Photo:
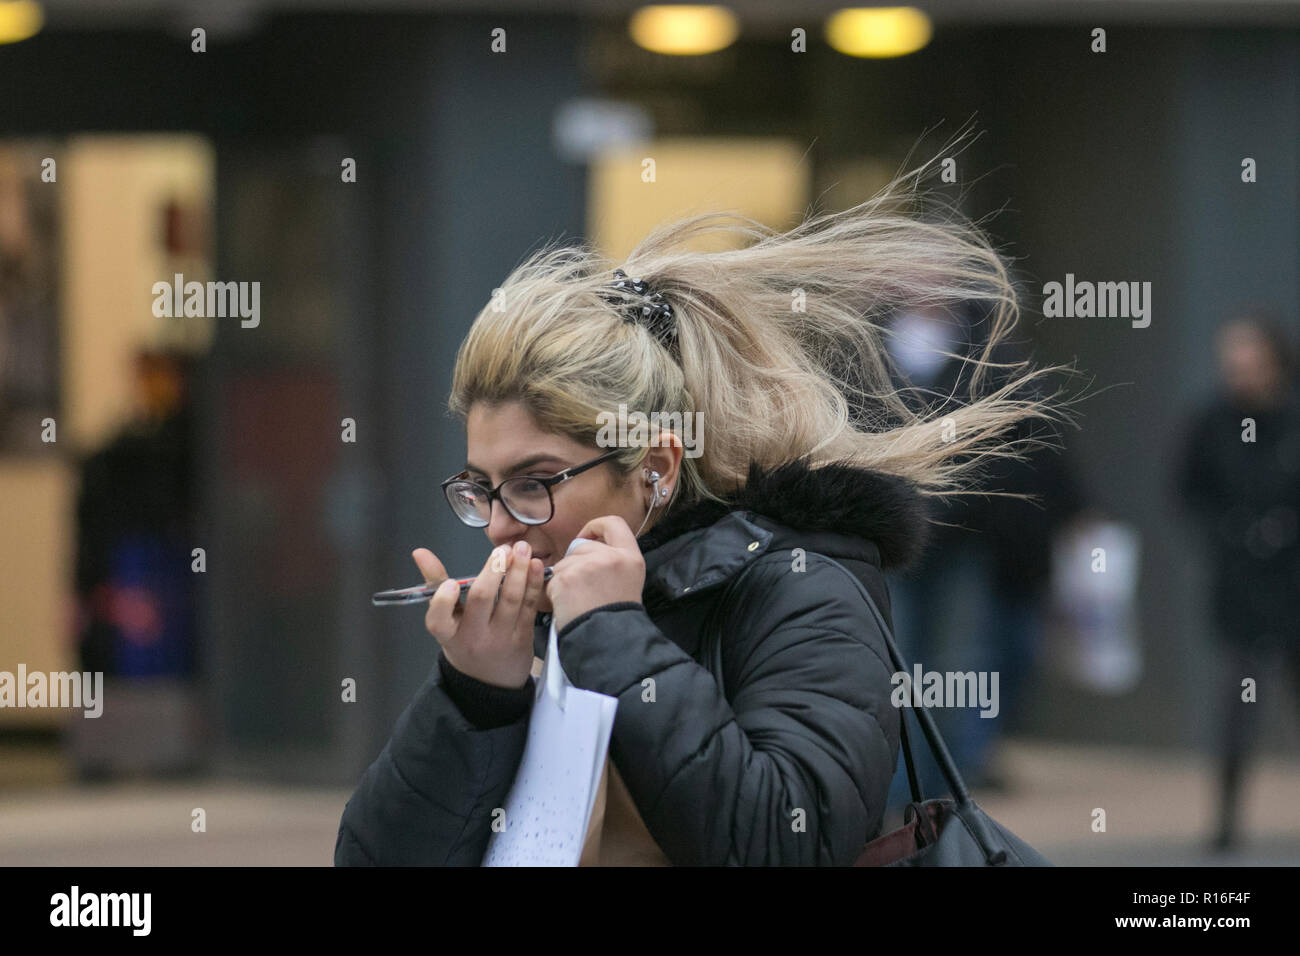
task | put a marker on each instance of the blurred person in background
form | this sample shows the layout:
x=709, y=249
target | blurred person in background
x=134, y=582
x=976, y=601
x=1239, y=478
x=1021, y=534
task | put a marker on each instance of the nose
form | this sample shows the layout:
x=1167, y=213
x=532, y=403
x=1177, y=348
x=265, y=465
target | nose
x=504, y=528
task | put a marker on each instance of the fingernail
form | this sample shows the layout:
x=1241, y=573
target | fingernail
x=521, y=548
x=499, y=558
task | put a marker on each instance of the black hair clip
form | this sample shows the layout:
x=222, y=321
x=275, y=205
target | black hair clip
x=655, y=312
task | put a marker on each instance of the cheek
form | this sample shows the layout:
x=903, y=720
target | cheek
x=580, y=509
x=564, y=527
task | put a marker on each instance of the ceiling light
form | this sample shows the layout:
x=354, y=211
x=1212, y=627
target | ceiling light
x=878, y=31
x=19, y=19
x=684, y=30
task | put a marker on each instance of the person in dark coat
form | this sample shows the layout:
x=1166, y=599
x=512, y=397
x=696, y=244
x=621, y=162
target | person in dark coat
x=727, y=543
x=1239, y=479
x=135, y=519
x=975, y=600
x=709, y=764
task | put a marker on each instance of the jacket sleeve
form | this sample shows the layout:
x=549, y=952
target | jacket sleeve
x=790, y=762
x=427, y=800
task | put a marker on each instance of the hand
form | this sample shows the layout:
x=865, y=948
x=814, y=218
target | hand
x=610, y=568
x=489, y=642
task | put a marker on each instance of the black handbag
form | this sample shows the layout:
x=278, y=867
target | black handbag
x=939, y=832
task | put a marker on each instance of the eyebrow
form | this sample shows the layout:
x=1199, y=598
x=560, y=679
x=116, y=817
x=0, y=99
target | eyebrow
x=521, y=465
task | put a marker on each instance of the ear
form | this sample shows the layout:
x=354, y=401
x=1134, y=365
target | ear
x=666, y=458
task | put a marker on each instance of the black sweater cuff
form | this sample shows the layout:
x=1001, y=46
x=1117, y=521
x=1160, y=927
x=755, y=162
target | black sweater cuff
x=486, y=706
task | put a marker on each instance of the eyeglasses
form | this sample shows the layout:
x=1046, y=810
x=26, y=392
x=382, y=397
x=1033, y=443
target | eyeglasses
x=527, y=499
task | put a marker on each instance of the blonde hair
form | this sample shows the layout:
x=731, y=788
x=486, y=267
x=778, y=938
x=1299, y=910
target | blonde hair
x=774, y=382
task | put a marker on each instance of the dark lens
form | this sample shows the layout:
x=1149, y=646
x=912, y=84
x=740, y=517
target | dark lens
x=527, y=499
x=470, y=502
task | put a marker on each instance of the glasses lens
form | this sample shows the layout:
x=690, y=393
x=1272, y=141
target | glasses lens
x=527, y=499
x=470, y=502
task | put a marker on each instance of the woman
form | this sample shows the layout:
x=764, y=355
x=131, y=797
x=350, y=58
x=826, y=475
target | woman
x=754, y=723
x=1241, y=483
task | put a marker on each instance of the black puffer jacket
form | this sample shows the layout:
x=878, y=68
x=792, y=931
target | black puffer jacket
x=792, y=712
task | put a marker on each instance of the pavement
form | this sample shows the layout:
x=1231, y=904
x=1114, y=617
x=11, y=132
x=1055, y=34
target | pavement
x=1158, y=809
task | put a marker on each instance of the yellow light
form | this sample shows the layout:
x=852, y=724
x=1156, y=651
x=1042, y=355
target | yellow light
x=683, y=30
x=19, y=20
x=878, y=31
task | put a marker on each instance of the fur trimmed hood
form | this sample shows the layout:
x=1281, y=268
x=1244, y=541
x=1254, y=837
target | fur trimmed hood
x=840, y=497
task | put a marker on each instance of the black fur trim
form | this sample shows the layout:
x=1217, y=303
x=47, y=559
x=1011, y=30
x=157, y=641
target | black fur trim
x=841, y=497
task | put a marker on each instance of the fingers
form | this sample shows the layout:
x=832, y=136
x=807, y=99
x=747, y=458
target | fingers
x=527, y=616
x=508, y=588
x=609, y=529
x=512, y=588
x=533, y=592
x=440, y=618
x=483, y=592
x=429, y=565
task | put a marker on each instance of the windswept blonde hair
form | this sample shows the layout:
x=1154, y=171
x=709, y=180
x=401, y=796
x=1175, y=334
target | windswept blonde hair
x=781, y=344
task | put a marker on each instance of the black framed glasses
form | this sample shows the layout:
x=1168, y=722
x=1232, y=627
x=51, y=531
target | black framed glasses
x=528, y=499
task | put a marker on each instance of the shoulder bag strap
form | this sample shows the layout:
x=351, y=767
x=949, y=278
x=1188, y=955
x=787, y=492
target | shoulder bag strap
x=938, y=748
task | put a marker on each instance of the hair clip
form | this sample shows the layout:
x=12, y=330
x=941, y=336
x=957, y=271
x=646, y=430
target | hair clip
x=655, y=312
